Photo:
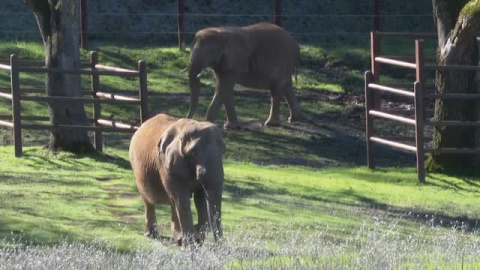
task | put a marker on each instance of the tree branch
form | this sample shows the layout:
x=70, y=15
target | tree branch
x=41, y=10
x=459, y=39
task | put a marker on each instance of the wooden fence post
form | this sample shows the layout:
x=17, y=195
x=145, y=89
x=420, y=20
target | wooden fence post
x=376, y=15
x=181, y=26
x=368, y=119
x=84, y=24
x=16, y=115
x=97, y=109
x=277, y=5
x=142, y=69
x=419, y=110
x=375, y=50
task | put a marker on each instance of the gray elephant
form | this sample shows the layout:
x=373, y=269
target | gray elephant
x=171, y=160
x=262, y=56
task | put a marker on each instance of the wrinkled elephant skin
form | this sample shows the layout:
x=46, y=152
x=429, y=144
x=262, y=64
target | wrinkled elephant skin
x=173, y=159
x=262, y=56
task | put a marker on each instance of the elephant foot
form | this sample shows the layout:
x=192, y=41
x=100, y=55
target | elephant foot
x=151, y=232
x=272, y=123
x=199, y=234
x=196, y=238
x=187, y=241
x=296, y=118
x=231, y=126
x=300, y=118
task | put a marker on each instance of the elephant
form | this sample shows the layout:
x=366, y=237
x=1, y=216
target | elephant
x=261, y=56
x=173, y=159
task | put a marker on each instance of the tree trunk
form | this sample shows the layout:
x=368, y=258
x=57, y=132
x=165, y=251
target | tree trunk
x=59, y=24
x=456, y=23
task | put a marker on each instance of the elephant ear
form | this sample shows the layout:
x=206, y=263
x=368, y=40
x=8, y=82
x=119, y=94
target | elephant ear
x=169, y=149
x=236, y=51
x=219, y=139
x=167, y=138
x=188, y=145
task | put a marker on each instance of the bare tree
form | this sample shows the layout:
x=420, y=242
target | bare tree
x=59, y=25
x=457, y=22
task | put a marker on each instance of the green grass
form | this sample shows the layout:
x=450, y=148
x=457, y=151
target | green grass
x=307, y=177
x=323, y=79
x=46, y=198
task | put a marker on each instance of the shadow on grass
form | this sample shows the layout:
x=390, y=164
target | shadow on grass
x=424, y=216
x=40, y=159
x=120, y=60
x=29, y=233
x=47, y=179
x=341, y=203
x=313, y=145
x=345, y=69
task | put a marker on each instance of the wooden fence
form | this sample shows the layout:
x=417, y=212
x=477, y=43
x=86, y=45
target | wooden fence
x=17, y=94
x=419, y=94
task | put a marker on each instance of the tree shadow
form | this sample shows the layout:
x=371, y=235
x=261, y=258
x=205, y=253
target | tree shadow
x=39, y=160
x=433, y=218
x=342, y=201
x=119, y=59
x=37, y=178
x=345, y=71
x=315, y=145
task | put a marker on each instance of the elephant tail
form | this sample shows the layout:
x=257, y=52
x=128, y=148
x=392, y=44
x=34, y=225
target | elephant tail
x=296, y=74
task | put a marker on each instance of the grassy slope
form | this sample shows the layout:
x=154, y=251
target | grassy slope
x=327, y=89
x=47, y=197
x=317, y=181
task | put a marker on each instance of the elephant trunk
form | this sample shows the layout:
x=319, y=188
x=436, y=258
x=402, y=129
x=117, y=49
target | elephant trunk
x=213, y=192
x=194, y=71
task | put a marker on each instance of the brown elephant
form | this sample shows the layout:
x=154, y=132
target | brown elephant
x=171, y=160
x=260, y=56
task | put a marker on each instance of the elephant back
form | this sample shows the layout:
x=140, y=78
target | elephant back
x=143, y=146
x=275, y=51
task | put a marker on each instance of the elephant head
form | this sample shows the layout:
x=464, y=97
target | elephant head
x=192, y=151
x=222, y=49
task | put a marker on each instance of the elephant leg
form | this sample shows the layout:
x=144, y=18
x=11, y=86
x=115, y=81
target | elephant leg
x=150, y=220
x=212, y=111
x=293, y=105
x=175, y=226
x=223, y=94
x=184, y=213
x=228, y=98
x=203, y=222
x=276, y=99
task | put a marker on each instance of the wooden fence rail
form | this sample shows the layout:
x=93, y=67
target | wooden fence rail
x=372, y=105
x=95, y=70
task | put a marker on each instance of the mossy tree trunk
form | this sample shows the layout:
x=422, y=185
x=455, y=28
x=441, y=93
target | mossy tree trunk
x=59, y=25
x=457, y=22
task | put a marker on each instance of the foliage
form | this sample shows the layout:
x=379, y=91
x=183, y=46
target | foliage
x=472, y=8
